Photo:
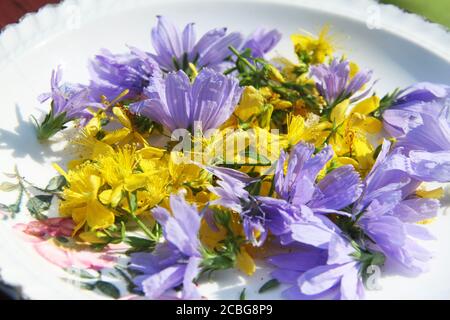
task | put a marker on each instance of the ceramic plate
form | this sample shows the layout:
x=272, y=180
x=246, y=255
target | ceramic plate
x=401, y=49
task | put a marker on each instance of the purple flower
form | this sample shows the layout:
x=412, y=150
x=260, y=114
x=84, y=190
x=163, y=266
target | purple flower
x=261, y=42
x=388, y=210
x=175, y=49
x=175, y=262
x=254, y=210
x=299, y=215
x=114, y=73
x=176, y=103
x=232, y=195
x=412, y=104
x=432, y=134
x=334, y=82
x=337, y=190
x=332, y=273
x=427, y=146
x=71, y=99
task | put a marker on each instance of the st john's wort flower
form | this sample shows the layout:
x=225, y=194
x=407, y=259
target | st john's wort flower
x=177, y=104
x=175, y=49
x=175, y=262
x=388, y=211
x=335, y=83
x=333, y=272
x=112, y=74
x=68, y=102
x=407, y=110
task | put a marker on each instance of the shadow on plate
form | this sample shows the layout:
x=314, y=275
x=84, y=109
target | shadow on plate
x=23, y=142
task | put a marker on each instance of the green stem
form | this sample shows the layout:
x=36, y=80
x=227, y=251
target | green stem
x=240, y=57
x=142, y=226
x=138, y=221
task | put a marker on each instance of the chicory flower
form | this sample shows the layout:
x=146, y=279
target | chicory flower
x=233, y=195
x=175, y=262
x=410, y=106
x=427, y=147
x=69, y=102
x=388, y=210
x=261, y=41
x=175, y=49
x=177, y=104
x=338, y=189
x=112, y=74
x=334, y=272
x=335, y=83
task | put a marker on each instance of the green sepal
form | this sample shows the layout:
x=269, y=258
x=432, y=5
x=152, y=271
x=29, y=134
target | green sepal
x=51, y=125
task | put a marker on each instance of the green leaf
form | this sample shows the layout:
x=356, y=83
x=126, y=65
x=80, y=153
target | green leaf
x=87, y=286
x=39, y=204
x=56, y=184
x=108, y=288
x=84, y=274
x=242, y=295
x=51, y=125
x=14, y=208
x=130, y=284
x=62, y=239
x=8, y=186
x=269, y=285
x=139, y=243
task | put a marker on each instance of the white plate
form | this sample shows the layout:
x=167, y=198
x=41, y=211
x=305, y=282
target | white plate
x=399, y=47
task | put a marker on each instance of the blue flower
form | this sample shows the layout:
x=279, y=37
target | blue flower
x=333, y=272
x=411, y=104
x=175, y=49
x=112, y=74
x=175, y=262
x=177, y=104
x=69, y=99
x=261, y=41
x=388, y=210
x=335, y=84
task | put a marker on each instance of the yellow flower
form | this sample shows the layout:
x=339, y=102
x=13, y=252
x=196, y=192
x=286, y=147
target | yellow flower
x=124, y=170
x=251, y=104
x=227, y=146
x=186, y=174
x=81, y=198
x=313, y=50
x=274, y=99
x=256, y=107
x=126, y=135
x=351, y=129
x=309, y=130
